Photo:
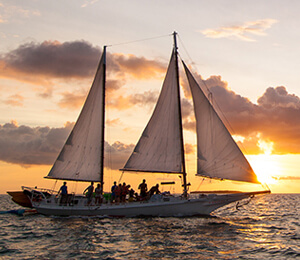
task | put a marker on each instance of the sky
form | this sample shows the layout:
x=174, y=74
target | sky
x=246, y=52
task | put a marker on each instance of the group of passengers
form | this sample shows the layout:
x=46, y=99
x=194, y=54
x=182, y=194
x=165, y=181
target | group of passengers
x=89, y=192
x=118, y=193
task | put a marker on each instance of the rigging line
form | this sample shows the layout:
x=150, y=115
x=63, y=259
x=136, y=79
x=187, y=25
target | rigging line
x=203, y=179
x=181, y=42
x=54, y=185
x=108, y=149
x=192, y=62
x=265, y=186
x=209, y=93
x=140, y=40
x=121, y=177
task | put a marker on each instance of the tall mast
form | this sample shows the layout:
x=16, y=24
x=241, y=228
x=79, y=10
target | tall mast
x=180, y=118
x=103, y=120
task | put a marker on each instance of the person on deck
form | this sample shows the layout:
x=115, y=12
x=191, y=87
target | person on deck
x=118, y=193
x=153, y=190
x=98, y=195
x=125, y=191
x=113, y=194
x=89, y=193
x=131, y=195
x=64, y=194
x=143, y=189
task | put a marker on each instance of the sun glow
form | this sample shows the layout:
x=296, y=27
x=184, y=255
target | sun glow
x=265, y=166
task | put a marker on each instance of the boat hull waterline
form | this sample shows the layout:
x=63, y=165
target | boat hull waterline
x=173, y=208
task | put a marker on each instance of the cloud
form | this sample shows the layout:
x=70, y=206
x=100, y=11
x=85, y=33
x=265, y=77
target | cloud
x=14, y=12
x=119, y=154
x=279, y=97
x=15, y=100
x=287, y=178
x=88, y=2
x=77, y=59
x=113, y=122
x=189, y=148
x=274, y=119
x=273, y=122
x=71, y=100
x=51, y=58
x=50, y=62
x=146, y=98
x=244, y=32
x=138, y=67
x=29, y=146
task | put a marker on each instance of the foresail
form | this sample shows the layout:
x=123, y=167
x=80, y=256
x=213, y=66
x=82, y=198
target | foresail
x=218, y=156
x=79, y=159
x=159, y=147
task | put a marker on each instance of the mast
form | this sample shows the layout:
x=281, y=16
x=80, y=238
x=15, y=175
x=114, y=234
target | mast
x=180, y=118
x=103, y=121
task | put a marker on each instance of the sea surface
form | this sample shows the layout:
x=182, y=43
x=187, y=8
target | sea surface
x=266, y=228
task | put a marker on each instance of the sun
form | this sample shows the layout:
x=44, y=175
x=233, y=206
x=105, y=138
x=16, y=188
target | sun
x=265, y=166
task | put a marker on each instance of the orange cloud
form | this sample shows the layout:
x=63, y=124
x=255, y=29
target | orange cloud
x=138, y=67
x=189, y=148
x=15, y=100
x=77, y=59
x=275, y=119
x=71, y=100
x=244, y=32
x=113, y=122
x=44, y=63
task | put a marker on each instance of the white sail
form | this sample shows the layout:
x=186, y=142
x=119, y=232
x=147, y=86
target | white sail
x=218, y=156
x=159, y=147
x=80, y=157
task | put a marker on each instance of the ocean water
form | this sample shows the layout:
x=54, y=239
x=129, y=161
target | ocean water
x=267, y=228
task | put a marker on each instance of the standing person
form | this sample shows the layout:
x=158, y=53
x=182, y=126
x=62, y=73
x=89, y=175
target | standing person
x=143, y=188
x=113, y=193
x=125, y=190
x=98, y=195
x=64, y=194
x=89, y=193
x=118, y=193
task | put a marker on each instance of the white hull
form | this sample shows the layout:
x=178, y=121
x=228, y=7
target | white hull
x=160, y=207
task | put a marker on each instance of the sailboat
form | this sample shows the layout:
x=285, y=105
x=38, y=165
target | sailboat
x=160, y=149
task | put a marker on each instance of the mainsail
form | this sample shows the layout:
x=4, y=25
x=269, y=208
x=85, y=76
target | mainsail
x=218, y=156
x=81, y=156
x=159, y=147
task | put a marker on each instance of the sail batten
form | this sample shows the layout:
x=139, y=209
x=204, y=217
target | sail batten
x=80, y=157
x=218, y=155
